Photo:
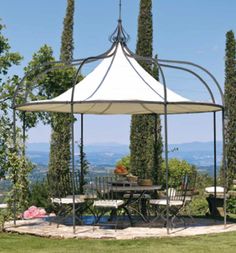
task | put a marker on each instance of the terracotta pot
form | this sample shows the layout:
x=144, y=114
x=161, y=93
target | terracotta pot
x=145, y=182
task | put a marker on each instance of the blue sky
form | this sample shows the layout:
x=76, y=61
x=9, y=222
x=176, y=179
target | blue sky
x=183, y=29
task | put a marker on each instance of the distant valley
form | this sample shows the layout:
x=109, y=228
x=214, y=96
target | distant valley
x=106, y=155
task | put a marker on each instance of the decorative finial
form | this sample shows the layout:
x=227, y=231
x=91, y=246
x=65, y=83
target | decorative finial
x=120, y=6
x=119, y=35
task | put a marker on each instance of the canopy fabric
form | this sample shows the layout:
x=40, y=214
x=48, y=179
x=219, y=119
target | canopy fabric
x=119, y=85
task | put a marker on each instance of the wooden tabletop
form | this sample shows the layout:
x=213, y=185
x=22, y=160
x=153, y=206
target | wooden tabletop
x=136, y=188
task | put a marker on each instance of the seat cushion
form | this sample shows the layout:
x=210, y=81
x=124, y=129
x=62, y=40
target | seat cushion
x=219, y=189
x=83, y=196
x=136, y=196
x=108, y=203
x=66, y=200
x=3, y=206
x=163, y=202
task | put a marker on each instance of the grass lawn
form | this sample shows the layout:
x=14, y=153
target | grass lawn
x=221, y=243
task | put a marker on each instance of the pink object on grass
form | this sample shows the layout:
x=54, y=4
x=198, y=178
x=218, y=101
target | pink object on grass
x=34, y=212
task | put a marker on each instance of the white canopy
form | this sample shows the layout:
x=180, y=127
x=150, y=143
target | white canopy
x=119, y=85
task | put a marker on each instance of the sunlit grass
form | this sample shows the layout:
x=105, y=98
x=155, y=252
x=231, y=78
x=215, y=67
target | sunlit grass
x=224, y=242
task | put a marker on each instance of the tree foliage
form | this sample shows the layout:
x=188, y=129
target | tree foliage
x=60, y=154
x=124, y=161
x=13, y=163
x=145, y=136
x=230, y=104
x=177, y=170
x=46, y=82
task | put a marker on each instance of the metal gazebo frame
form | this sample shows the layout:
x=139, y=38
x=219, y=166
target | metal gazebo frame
x=120, y=37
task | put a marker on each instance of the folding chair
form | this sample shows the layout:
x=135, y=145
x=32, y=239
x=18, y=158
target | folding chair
x=176, y=195
x=190, y=193
x=107, y=201
x=61, y=196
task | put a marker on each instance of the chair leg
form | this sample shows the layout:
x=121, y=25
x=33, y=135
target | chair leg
x=175, y=214
x=97, y=219
x=159, y=215
x=116, y=217
x=129, y=216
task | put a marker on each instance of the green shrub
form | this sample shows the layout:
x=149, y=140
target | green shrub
x=198, y=206
x=231, y=205
x=177, y=169
x=39, y=196
x=4, y=216
x=203, y=181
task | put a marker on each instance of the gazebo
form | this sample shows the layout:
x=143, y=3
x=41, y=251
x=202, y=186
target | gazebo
x=120, y=85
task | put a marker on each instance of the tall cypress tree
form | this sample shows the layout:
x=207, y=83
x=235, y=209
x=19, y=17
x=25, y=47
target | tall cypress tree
x=60, y=155
x=230, y=104
x=145, y=138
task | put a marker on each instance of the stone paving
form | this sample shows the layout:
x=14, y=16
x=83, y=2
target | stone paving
x=41, y=227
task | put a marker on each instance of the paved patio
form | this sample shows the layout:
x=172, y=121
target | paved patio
x=41, y=227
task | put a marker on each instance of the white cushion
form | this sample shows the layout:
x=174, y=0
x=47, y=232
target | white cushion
x=163, y=202
x=2, y=206
x=136, y=196
x=83, y=196
x=66, y=200
x=219, y=189
x=108, y=203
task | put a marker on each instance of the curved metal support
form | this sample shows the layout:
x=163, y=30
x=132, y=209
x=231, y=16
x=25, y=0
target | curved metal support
x=52, y=69
x=86, y=60
x=196, y=75
x=107, y=71
x=37, y=78
x=27, y=75
x=142, y=77
x=203, y=69
x=154, y=61
x=73, y=63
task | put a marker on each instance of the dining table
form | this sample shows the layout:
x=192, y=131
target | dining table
x=135, y=196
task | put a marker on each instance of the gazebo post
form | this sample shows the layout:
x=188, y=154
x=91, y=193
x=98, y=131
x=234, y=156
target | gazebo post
x=14, y=181
x=167, y=166
x=155, y=149
x=215, y=173
x=73, y=161
x=166, y=143
x=81, y=153
x=24, y=133
x=224, y=164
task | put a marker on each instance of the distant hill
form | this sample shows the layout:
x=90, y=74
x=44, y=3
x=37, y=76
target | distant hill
x=107, y=154
x=96, y=147
x=112, y=146
x=197, y=146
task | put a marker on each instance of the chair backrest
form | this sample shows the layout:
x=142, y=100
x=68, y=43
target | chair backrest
x=61, y=185
x=178, y=188
x=105, y=187
x=192, y=178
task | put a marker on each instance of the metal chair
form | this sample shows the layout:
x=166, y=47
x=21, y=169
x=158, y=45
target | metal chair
x=190, y=193
x=215, y=203
x=107, y=201
x=61, y=189
x=176, y=196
